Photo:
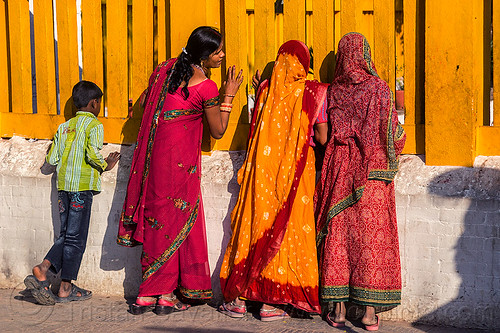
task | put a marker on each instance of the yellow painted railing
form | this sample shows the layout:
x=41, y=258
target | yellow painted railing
x=441, y=48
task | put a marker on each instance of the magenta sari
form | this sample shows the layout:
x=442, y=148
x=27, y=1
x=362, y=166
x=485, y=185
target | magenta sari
x=163, y=208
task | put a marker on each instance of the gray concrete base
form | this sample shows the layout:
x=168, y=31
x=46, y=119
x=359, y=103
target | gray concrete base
x=448, y=218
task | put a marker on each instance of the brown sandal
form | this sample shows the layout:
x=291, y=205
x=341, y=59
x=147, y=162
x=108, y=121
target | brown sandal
x=273, y=314
x=233, y=310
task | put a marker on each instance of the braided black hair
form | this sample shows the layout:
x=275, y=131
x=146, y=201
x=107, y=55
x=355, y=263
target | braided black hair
x=202, y=42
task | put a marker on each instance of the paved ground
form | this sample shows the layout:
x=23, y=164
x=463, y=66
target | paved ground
x=109, y=314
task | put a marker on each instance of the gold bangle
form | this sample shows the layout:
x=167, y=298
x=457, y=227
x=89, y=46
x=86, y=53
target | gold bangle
x=225, y=111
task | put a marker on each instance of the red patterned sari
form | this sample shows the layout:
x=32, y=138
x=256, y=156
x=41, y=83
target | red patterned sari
x=271, y=256
x=355, y=201
x=163, y=209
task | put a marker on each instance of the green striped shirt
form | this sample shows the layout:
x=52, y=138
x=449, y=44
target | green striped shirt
x=75, y=151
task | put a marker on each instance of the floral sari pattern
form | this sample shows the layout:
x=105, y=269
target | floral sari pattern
x=355, y=208
x=163, y=209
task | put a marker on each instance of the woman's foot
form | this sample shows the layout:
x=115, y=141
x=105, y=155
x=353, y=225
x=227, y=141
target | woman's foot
x=271, y=313
x=169, y=303
x=234, y=309
x=336, y=318
x=370, y=319
x=337, y=323
x=142, y=305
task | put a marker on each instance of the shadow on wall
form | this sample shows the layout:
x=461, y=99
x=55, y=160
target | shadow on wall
x=477, y=251
x=234, y=188
x=113, y=256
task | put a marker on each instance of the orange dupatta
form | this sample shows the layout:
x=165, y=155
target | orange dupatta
x=271, y=256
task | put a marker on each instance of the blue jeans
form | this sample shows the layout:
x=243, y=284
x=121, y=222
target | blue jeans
x=67, y=252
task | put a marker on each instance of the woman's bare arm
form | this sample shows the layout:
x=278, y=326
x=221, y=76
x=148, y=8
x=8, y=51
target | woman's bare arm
x=218, y=119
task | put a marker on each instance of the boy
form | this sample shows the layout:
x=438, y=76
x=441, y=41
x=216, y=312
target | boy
x=75, y=151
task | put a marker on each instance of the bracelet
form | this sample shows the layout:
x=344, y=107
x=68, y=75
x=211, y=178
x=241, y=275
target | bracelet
x=226, y=107
x=229, y=95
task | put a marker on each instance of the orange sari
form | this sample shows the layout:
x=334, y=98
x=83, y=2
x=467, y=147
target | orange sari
x=271, y=256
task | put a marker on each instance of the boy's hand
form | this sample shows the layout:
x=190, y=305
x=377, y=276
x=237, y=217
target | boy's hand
x=112, y=159
x=47, y=169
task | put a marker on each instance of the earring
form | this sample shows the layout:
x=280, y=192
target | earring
x=204, y=68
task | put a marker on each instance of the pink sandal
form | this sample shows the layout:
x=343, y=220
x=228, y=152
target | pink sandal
x=333, y=323
x=233, y=310
x=373, y=327
x=141, y=306
x=272, y=314
x=167, y=305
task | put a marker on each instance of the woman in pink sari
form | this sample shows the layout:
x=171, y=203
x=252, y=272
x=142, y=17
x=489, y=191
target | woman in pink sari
x=354, y=201
x=163, y=209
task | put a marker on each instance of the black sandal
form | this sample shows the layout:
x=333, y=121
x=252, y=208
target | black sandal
x=40, y=290
x=140, y=306
x=167, y=305
x=73, y=296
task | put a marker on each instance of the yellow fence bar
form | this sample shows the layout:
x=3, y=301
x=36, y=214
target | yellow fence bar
x=414, y=24
x=163, y=21
x=384, y=50
x=116, y=58
x=45, y=58
x=323, y=39
x=265, y=36
x=142, y=46
x=20, y=56
x=4, y=68
x=92, y=48
x=451, y=94
x=294, y=20
x=67, y=47
x=350, y=17
x=236, y=54
x=496, y=62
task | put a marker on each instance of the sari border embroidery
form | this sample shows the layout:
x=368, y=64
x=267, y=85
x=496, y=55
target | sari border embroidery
x=368, y=58
x=214, y=101
x=172, y=114
x=126, y=240
x=366, y=296
x=335, y=293
x=196, y=293
x=153, y=223
x=362, y=296
x=126, y=219
x=336, y=209
x=165, y=256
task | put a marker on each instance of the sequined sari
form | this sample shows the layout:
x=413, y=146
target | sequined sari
x=271, y=256
x=163, y=209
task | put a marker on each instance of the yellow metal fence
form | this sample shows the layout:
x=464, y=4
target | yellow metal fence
x=445, y=51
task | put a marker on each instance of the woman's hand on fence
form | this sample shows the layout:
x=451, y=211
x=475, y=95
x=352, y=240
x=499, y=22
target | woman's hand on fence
x=256, y=80
x=233, y=81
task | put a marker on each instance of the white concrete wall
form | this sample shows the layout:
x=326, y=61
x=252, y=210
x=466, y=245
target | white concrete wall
x=448, y=224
